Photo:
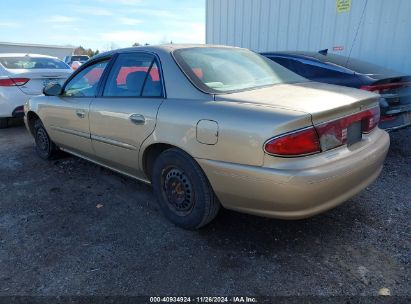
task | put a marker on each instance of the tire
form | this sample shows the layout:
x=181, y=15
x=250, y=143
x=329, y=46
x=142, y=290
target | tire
x=45, y=147
x=183, y=192
x=4, y=123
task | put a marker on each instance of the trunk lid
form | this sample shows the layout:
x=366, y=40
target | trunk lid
x=39, y=78
x=324, y=102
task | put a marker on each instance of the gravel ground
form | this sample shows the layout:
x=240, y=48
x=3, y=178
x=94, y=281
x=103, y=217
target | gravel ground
x=69, y=227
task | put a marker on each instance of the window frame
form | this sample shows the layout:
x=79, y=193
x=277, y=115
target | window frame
x=83, y=67
x=104, y=78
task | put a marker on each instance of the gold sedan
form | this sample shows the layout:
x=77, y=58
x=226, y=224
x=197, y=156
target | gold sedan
x=212, y=126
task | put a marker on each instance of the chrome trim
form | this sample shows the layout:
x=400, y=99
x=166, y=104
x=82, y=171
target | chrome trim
x=113, y=142
x=70, y=131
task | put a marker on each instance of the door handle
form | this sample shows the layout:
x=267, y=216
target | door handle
x=80, y=113
x=138, y=119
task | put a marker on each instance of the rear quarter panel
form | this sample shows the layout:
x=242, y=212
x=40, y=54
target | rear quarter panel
x=242, y=128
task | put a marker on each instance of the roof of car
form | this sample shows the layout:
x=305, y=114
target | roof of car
x=356, y=65
x=23, y=55
x=161, y=47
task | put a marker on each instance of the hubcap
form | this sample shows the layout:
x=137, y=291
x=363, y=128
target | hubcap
x=178, y=191
x=42, y=140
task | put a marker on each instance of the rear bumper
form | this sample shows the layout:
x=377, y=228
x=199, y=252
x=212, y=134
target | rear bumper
x=396, y=122
x=301, y=188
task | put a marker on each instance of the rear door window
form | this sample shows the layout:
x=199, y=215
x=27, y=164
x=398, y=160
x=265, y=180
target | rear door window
x=134, y=75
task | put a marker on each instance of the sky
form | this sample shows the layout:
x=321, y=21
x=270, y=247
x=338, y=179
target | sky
x=102, y=24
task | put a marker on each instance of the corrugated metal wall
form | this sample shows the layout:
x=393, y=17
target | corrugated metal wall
x=58, y=52
x=378, y=31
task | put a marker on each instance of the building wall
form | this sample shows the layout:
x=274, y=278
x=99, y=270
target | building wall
x=377, y=31
x=55, y=51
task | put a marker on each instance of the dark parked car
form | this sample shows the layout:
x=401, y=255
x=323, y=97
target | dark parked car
x=394, y=87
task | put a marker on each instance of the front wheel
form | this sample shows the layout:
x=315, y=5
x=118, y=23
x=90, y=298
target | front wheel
x=45, y=147
x=183, y=191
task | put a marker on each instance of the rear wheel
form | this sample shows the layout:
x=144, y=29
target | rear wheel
x=45, y=147
x=4, y=122
x=183, y=191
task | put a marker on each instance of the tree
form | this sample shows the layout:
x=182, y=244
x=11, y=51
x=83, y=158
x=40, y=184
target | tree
x=136, y=44
x=82, y=51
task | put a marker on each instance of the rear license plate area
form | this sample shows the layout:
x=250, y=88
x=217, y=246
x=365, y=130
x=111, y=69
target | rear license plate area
x=354, y=133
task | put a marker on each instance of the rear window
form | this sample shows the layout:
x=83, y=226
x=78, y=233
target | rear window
x=224, y=70
x=355, y=65
x=31, y=63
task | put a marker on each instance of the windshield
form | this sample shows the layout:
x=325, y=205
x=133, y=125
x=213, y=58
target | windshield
x=223, y=70
x=79, y=58
x=29, y=63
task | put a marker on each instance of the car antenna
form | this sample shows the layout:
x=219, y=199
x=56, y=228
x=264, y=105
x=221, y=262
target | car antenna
x=323, y=52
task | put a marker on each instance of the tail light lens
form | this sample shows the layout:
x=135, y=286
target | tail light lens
x=334, y=133
x=323, y=137
x=12, y=82
x=388, y=117
x=370, y=119
x=380, y=88
x=298, y=143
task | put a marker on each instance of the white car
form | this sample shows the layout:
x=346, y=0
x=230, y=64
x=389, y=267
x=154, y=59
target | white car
x=25, y=75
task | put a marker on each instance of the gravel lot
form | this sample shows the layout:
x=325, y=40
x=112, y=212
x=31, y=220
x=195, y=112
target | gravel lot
x=69, y=227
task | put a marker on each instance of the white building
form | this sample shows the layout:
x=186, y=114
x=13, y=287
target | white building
x=51, y=50
x=378, y=31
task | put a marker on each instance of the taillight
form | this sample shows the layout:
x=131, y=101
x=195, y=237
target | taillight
x=380, y=88
x=11, y=82
x=334, y=133
x=323, y=137
x=370, y=119
x=297, y=143
x=388, y=117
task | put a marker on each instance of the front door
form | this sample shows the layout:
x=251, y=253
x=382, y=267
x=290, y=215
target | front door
x=125, y=113
x=68, y=120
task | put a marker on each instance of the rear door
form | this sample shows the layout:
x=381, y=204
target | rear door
x=124, y=114
x=68, y=115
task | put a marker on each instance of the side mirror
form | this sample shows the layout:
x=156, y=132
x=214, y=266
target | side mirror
x=52, y=89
